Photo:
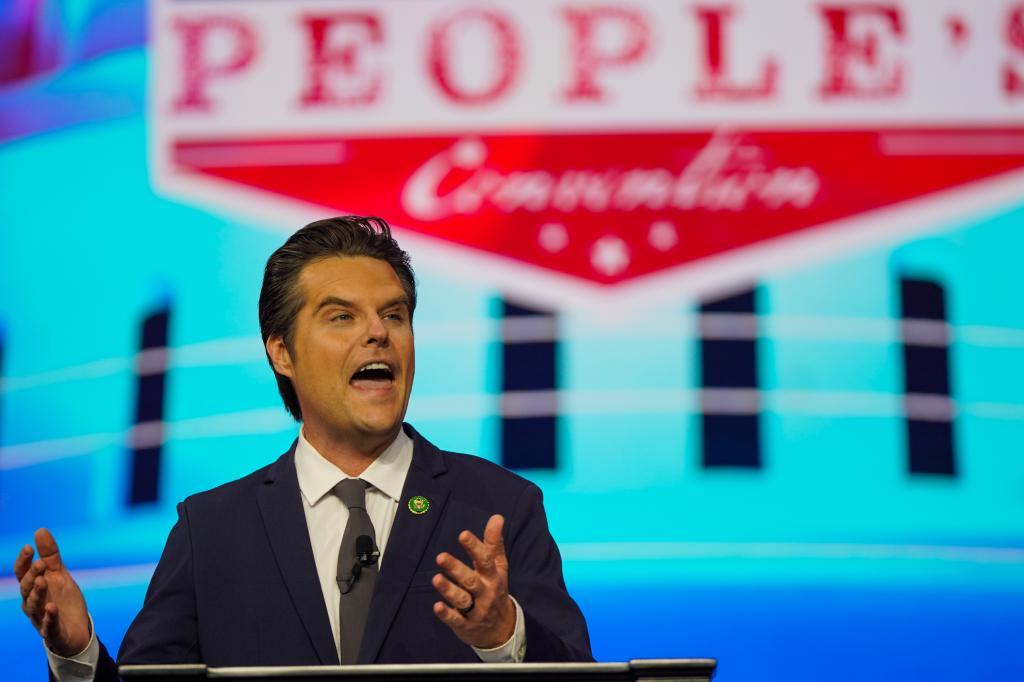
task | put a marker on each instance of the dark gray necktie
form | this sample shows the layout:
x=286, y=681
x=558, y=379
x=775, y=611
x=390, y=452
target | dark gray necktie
x=357, y=568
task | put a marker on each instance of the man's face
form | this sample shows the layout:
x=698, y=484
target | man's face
x=351, y=359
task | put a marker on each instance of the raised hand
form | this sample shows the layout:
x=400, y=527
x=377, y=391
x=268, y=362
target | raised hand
x=51, y=599
x=478, y=609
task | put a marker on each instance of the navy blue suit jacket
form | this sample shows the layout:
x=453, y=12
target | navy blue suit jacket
x=237, y=585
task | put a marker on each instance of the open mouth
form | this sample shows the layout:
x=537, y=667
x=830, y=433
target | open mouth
x=373, y=375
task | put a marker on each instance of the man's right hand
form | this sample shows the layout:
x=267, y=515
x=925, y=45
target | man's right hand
x=51, y=599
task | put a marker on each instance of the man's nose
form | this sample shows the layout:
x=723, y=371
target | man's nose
x=376, y=332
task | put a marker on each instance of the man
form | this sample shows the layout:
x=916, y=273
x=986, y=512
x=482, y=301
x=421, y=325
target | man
x=353, y=546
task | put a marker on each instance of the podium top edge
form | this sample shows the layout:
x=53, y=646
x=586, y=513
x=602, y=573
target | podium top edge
x=390, y=669
x=662, y=662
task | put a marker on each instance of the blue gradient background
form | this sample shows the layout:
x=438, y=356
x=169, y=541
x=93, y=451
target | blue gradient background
x=831, y=562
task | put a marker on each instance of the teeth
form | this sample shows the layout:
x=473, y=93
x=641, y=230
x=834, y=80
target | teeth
x=375, y=365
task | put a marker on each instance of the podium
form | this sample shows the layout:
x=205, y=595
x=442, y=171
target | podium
x=642, y=670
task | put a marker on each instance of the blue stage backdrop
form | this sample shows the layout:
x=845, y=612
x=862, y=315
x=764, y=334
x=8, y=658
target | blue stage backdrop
x=737, y=284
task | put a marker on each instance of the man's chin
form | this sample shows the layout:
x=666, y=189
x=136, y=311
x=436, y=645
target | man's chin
x=379, y=428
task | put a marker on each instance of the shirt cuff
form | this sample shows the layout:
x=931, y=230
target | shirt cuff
x=78, y=668
x=512, y=651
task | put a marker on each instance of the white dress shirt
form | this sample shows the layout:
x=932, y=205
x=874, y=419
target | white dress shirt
x=326, y=517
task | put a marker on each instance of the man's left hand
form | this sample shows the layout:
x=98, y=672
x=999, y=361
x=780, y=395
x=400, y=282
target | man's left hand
x=478, y=609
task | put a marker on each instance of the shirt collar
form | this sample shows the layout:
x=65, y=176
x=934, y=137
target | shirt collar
x=387, y=473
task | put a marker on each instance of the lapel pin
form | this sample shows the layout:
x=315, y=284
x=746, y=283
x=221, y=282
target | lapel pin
x=418, y=504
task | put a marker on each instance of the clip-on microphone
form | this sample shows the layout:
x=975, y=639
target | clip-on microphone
x=366, y=552
x=366, y=555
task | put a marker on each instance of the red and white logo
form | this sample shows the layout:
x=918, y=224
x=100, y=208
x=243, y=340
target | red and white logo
x=572, y=151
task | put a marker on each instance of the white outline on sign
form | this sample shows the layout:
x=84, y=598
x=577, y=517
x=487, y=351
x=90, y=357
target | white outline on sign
x=709, y=277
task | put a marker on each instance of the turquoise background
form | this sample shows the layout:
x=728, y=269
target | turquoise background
x=830, y=562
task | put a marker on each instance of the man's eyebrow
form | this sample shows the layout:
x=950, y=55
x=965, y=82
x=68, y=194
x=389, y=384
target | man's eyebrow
x=344, y=303
x=334, y=300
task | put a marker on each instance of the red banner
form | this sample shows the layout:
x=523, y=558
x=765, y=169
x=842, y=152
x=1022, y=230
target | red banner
x=593, y=144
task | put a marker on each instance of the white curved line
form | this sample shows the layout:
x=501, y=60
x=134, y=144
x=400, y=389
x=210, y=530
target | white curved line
x=246, y=349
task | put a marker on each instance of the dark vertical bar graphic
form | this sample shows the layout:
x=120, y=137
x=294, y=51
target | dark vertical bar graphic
x=728, y=359
x=528, y=423
x=929, y=413
x=147, y=435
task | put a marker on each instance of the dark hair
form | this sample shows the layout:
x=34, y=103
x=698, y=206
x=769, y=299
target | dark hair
x=280, y=299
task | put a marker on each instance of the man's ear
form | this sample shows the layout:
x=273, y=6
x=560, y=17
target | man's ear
x=278, y=353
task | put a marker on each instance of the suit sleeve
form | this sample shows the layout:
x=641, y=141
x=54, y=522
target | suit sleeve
x=555, y=627
x=165, y=630
x=106, y=669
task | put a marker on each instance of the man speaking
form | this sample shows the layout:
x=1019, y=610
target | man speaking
x=358, y=545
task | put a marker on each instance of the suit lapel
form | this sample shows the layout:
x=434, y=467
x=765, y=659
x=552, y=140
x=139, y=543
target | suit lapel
x=409, y=538
x=285, y=522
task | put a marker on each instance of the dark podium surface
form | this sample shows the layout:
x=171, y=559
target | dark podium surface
x=646, y=670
